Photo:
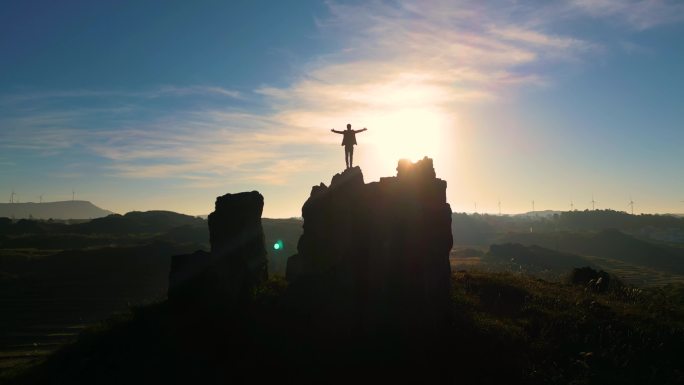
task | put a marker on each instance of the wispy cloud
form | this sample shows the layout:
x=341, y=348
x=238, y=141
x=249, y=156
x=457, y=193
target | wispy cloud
x=441, y=52
x=27, y=95
x=403, y=62
x=639, y=14
x=425, y=57
x=195, y=146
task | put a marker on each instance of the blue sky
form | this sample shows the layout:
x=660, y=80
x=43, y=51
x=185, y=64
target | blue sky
x=166, y=105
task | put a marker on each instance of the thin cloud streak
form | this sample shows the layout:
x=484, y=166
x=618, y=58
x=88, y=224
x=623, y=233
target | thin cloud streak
x=638, y=14
x=153, y=93
x=422, y=56
x=415, y=59
x=428, y=57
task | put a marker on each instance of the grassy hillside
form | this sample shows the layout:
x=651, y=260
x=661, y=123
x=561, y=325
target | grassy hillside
x=47, y=298
x=645, y=250
x=57, y=278
x=534, y=260
x=74, y=274
x=611, y=244
x=484, y=229
x=506, y=329
x=138, y=229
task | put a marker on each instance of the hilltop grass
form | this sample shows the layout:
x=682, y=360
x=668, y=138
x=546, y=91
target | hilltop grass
x=573, y=335
x=506, y=328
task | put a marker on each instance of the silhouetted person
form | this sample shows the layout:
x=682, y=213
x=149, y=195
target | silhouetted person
x=348, y=142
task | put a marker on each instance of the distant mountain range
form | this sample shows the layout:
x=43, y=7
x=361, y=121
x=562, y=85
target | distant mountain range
x=55, y=210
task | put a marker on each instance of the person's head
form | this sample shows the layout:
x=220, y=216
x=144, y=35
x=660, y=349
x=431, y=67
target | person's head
x=348, y=126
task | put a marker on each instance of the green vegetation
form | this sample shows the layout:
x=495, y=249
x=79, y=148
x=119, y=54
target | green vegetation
x=571, y=335
x=484, y=229
x=643, y=250
x=57, y=278
x=506, y=328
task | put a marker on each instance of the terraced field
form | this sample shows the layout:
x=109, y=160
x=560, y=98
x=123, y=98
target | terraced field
x=632, y=274
x=464, y=263
x=636, y=275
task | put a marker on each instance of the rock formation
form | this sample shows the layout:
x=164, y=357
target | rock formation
x=598, y=281
x=237, y=264
x=379, y=252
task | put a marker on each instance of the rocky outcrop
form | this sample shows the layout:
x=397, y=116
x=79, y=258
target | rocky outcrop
x=237, y=263
x=379, y=251
x=598, y=281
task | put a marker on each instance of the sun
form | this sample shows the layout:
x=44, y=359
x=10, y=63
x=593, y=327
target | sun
x=407, y=134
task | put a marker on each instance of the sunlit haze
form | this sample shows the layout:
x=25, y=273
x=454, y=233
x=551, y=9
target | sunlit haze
x=166, y=106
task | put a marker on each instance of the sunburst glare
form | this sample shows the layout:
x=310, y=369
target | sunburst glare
x=406, y=134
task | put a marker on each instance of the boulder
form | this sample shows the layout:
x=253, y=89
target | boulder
x=592, y=280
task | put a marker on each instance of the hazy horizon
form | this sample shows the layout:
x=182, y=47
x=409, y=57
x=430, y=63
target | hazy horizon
x=141, y=107
x=503, y=213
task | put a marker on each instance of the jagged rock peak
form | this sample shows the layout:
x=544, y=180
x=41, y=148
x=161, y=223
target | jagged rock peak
x=351, y=176
x=381, y=248
x=422, y=169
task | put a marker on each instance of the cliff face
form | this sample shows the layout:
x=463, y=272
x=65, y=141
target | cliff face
x=237, y=263
x=381, y=248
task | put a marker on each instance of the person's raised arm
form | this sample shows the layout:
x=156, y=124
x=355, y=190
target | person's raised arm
x=361, y=130
x=337, y=132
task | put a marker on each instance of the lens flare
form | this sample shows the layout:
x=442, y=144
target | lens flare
x=278, y=245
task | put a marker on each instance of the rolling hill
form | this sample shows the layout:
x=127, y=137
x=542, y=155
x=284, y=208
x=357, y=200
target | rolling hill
x=54, y=210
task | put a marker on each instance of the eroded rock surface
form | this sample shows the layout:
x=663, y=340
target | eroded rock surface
x=377, y=254
x=237, y=263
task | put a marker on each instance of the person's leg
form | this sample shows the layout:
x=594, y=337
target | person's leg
x=351, y=156
x=346, y=156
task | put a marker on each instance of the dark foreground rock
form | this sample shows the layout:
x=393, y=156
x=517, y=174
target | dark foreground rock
x=379, y=250
x=237, y=263
x=591, y=279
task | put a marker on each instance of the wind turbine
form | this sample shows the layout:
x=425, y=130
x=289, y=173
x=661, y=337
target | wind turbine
x=12, y=197
x=73, y=195
x=593, y=203
x=475, y=212
x=532, y=205
x=631, y=204
x=499, y=206
x=40, y=198
x=572, y=205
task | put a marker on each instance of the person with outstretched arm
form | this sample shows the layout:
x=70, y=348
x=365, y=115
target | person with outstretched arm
x=348, y=141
